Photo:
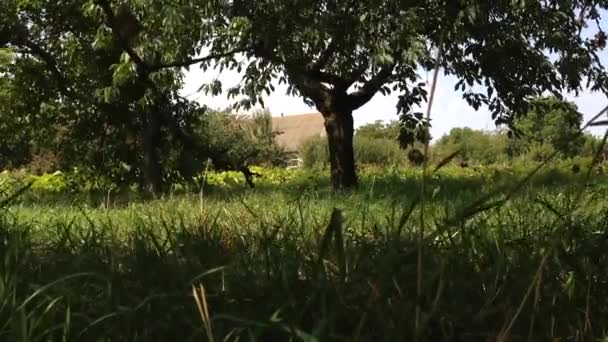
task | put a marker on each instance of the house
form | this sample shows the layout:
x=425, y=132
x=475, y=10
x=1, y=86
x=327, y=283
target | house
x=294, y=130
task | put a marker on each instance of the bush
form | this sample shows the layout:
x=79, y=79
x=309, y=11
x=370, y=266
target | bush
x=315, y=153
x=233, y=141
x=551, y=122
x=478, y=147
x=378, y=151
x=368, y=151
x=538, y=152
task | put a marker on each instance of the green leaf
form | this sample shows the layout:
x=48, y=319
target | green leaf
x=7, y=56
x=123, y=73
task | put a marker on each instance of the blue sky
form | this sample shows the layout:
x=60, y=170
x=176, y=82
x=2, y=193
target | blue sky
x=449, y=109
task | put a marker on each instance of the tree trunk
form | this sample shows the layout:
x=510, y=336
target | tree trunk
x=152, y=172
x=340, y=129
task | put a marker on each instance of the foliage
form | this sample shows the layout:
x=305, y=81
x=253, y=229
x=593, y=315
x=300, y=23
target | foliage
x=382, y=152
x=592, y=145
x=315, y=153
x=368, y=151
x=235, y=141
x=95, y=83
x=379, y=130
x=550, y=122
x=415, y=157
x=472, y=145
x=386, y=44
x=538, y=152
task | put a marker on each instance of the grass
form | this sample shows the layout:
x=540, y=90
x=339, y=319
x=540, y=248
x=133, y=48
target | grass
x=278, y=263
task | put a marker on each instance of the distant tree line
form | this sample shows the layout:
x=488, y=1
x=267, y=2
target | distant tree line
x=550, y=125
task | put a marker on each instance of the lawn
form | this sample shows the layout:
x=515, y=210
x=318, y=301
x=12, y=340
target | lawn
x=290, y=259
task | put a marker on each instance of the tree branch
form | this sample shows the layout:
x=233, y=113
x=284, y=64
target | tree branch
x=51, y=63
x=313, y=69
x=371, y=87
x=325, y=56
x=356, y=74
x=124, y=44
x=147, y=68
x=189, y=62
x=309, y=86
x=326, y=77
x=308, y=81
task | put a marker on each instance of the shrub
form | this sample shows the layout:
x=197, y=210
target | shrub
x=538, y=152
x=368, y=151
x=551, y=122
x=378, y=151
x=315, y=153
x=475, y=146
x=237, y=140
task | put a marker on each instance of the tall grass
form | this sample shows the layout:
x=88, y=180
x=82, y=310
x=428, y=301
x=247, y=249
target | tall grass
x=270, y=265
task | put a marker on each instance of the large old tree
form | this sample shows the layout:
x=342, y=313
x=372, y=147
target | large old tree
x=101, y=78
x=338, y=54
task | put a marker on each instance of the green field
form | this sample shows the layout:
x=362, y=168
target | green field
x=273, y=268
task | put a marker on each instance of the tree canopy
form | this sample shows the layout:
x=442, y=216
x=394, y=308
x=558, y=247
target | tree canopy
x=549, y=122
x=472, y=145
x=379, y=130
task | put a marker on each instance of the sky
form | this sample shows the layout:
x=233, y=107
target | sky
x=449, y=109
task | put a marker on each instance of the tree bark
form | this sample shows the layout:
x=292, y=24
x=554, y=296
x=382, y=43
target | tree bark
x=152, y=172
x=340, y=129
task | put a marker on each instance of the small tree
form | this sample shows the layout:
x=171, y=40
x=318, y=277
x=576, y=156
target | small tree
x=551, y=122
x=236, y=142
x=473, y=145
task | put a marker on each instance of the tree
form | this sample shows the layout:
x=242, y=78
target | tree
x=473, y=145
x=379, y=130
x=551, y=122
x=338, y=54
x=593, y=145
x=13, y=150
x=235, y=142
x=108, y=78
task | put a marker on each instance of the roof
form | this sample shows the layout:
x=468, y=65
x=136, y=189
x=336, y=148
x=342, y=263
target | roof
x=294, y=130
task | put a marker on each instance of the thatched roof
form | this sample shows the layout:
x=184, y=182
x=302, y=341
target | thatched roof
x=294, y=130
